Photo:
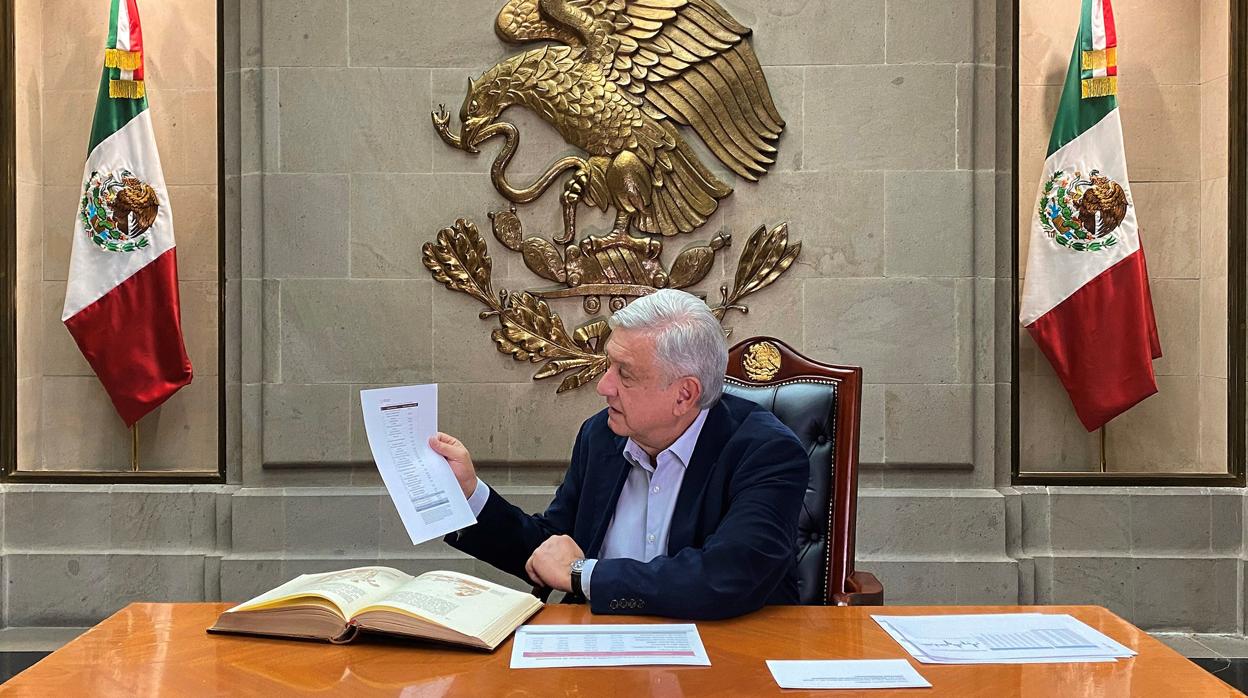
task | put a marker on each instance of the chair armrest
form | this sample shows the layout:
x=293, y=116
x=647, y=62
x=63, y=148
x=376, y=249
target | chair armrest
x=862, y=589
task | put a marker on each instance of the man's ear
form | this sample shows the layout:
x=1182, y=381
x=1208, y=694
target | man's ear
x=688, y=393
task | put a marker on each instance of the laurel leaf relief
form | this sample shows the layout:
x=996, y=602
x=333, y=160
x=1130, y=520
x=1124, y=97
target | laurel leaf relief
x=460, y=261
x=765, y=256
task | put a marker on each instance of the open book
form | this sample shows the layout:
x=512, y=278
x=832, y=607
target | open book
x=335, y=606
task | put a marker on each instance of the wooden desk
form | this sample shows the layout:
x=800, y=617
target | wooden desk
x=162, y=650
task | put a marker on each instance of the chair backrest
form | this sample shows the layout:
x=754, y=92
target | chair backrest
x=821, y=403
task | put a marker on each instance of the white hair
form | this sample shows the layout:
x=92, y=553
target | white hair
x=688, y=340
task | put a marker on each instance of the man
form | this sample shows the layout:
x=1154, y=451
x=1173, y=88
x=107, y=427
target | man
x=679, y=501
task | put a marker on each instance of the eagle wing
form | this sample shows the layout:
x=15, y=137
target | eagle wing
x=1113, y=207
x=684, y=60
x=521, y=22
x=147, y=214
x=1110, y=200
x=143, y=202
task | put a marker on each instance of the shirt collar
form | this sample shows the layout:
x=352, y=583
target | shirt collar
x=682, y=447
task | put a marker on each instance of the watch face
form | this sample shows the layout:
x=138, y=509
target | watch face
x=578, y=565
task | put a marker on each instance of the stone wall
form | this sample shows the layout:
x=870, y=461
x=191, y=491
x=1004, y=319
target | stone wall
x=894, y=173
x=890, y=141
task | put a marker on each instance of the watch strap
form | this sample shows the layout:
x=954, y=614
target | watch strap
x=576, y=578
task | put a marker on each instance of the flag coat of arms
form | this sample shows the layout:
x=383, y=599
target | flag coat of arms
x=1086, y=300
x=121, y=302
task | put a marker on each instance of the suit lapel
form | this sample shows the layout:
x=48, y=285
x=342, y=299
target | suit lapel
x=715, y=433
x=607, y=484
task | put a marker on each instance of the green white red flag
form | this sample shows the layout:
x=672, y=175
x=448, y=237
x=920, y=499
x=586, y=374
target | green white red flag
x=1086, y=300
x=121, y=302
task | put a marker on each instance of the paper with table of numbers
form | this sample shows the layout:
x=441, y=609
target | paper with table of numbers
x=399, y=422
x=845, y=673
x=538, y=646
x=1001, y=638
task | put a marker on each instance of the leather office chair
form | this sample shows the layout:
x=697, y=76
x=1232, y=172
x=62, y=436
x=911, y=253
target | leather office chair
x=821, y=403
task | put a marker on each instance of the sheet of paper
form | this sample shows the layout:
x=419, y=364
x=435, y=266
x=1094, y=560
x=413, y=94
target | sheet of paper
x=914, y=652
x=539, y=646
x=399, y=422
x=1001, y=638
x=846, y=673
x=1006, y=636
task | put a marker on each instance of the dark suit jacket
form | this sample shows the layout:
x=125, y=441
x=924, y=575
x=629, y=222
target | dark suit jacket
x=731, y=548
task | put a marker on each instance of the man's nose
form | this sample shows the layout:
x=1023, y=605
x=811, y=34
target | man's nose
x=606, y=386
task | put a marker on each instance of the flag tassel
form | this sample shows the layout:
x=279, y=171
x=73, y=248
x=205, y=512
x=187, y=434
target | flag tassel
x=1099, y=87
x=126, y=89
x=120, y=58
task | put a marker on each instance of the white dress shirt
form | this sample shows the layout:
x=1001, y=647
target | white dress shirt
x=643, y=515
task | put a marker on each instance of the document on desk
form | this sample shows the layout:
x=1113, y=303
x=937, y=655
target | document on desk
x=1001, y=638
x=538, y=646
x=399, y=422
x=846, y=673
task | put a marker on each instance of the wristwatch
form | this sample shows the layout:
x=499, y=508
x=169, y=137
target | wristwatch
x=578, y=566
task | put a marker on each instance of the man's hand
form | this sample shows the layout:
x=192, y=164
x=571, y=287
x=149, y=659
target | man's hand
x=457, y=455
x=550, y=565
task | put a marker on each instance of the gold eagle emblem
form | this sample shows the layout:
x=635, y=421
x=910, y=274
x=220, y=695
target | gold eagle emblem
x=761, y=361
x=617, y=79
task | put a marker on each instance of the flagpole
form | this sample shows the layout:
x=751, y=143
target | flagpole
x=134, y=448
x=1102, y=433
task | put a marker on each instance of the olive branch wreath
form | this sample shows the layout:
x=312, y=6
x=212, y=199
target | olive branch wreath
x=530, y=331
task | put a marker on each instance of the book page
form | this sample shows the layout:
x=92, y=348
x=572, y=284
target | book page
x=348, y=590
x=464, y=604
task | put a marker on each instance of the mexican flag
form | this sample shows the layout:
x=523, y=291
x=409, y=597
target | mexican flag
x=121, y=304
x=1086, y=300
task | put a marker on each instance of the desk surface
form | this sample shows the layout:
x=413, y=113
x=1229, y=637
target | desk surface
x=162, y=649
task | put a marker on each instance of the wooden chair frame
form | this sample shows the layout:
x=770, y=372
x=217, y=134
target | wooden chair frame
x=844, y=585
